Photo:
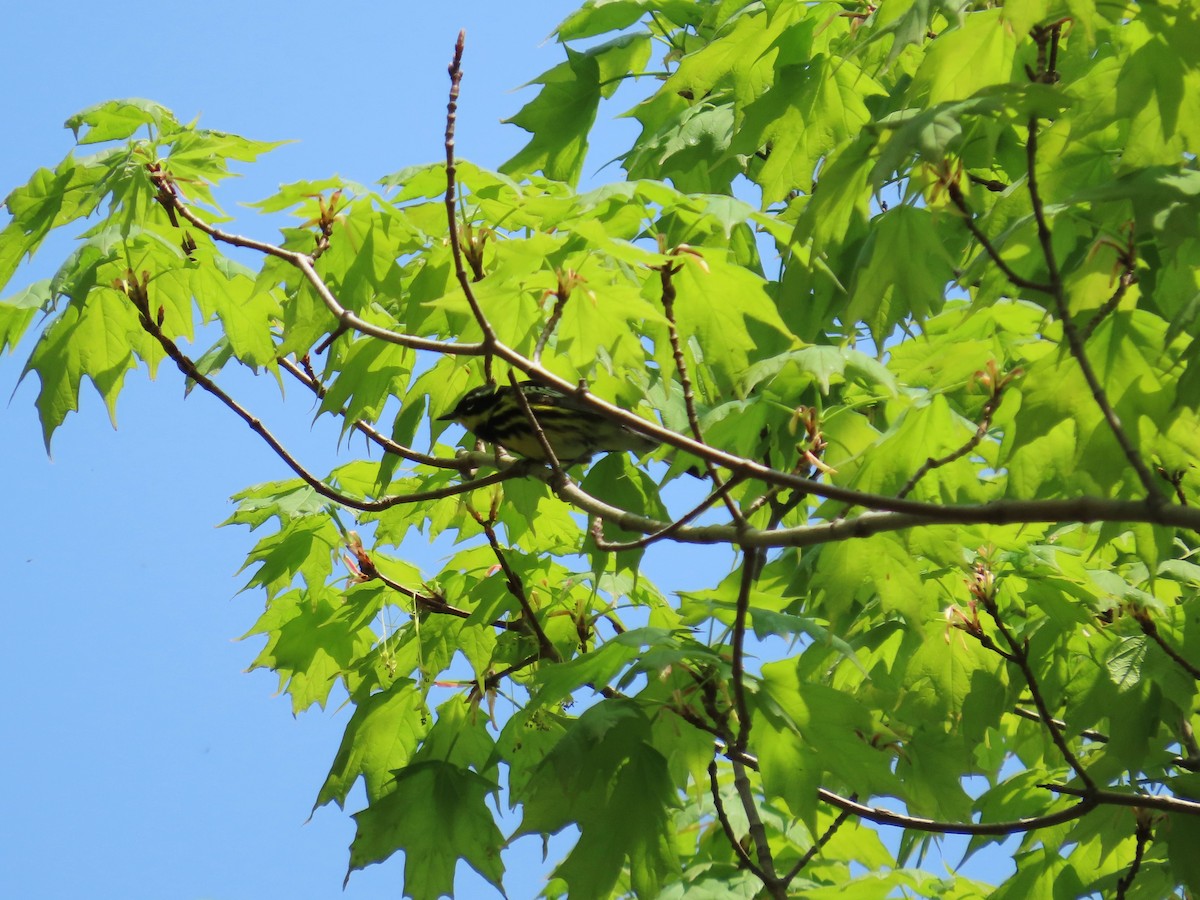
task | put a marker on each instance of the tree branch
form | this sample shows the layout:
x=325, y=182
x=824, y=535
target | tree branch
x=304, y=262
x=666, y=273
x=744, y=859
x=758, y=833
x=489, y=335
x=817, y=846
x=998, y=382
x=984, y=590
x=960, y=201
x=669, y=531
x=546, y=649
x=1000, y=512
x=370, y=432
x=1138, y=801
x=137, y=292
x=750, y=566
x=1142, y=834
x=1150, y=629
x=747, y=468
x=1047, y=73
x=422, y=602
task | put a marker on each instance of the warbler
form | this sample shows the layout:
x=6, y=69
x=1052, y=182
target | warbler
x=574, y=431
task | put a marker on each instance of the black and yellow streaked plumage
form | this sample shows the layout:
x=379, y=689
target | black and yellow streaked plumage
x=574, y=431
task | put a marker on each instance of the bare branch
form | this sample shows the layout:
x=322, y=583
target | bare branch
x=666, y=273
x=758, y=833
x=750, y=569
x=669, y=531
x=1097, y=736
x=998, y=382
x=489, y=334
x=881, y=816
x=303, y=262
x=746, y=468
x=1150, y=629
x=137, y=293
x=817, y=846
x=983, y=589
x=566, y=281
x=546, y=649
x=431, y=603
x=558, y=476
x=723, y=817
x=1002, y=512
x=1124, y=282
x=1143, y=834
x=960, y=201
x=1048, y=37
x=1138, y=801
x=368, y=431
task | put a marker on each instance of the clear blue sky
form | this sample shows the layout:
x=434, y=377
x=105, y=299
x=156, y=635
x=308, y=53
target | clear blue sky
x=140, y=761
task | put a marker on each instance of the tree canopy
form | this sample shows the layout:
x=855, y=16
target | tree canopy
x=914, y=287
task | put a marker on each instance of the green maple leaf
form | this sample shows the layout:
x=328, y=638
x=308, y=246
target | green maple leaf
x=91, y=338
x=811, y=110
x=437, y=814
x=600, y=16
x=17, y=312
x=381, y=737
x=562, y=114
x=980, y=53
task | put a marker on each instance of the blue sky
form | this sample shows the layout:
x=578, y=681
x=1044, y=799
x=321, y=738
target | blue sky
x=141, y=761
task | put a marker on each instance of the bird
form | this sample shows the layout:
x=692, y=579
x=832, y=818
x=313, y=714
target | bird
x=574, y=431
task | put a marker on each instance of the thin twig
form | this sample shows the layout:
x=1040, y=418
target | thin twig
x=1097, y=736
x=492, y=681
x=304, y=262
x=666, y=274
x=429, y=602
x=368, y=431
x=515, y=587
x=758, y=832
x=984, y=591
x=744, y=859
x=992, y=184
x=139, y=298
x=818, y=845
x=330, y=338
x=1047, y=73
x=1175, y=480
x=1071, y=333
x=960, y=201
x=985, y=424
x=561, y=296
x=750, y=569
x=1150, y=629
x=559, y=476
x=489, y=334
x=1143, y=833
x=1124, y=282
x=668, y=531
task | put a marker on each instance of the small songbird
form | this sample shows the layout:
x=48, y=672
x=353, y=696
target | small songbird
x=574, y=431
